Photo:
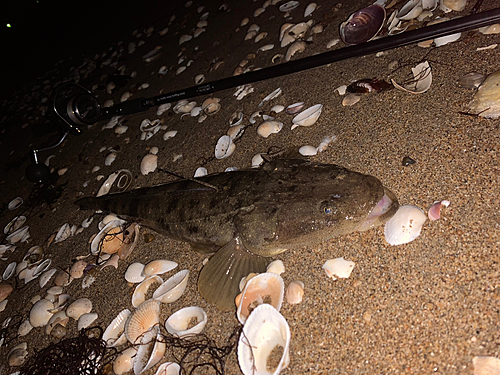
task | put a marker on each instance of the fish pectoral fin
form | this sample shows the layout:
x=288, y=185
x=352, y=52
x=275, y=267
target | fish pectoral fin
x=219, y=279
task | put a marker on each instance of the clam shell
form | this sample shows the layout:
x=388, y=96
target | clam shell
x=141, y=290
x=130, y=240
x=172, y=289
x=20, y=235
x=141, y=320
x=412, y=9
x=58, y=318
x=294, y=108
x=422, y=79
x=168, y=368
x=86, y=320
x=405, y=225
x=39, y=313
x=150, y=351
x=45, y=277
x=269, y=127
x=76, y=270
x=307, y=117
x=338, y=268
x=14, y=224
x=78, y=308
x=308, y=150
x=297, y=47
x=159, y=267
x=265, y=334
x=125, y=361
x=109, y=239
x=276, y=266
x=200, y=172
x=236, y=132
x=24, y=328
x=471, y=80
x=264, y=288
x=149, y=163
x=486, y=101
x=18, y=354
x=113, y=335
x=310, y=9
x=271, y=96
x=225, y=147
x=178, y=323
x=134, y=273
x=363, y=25
x=15, y=203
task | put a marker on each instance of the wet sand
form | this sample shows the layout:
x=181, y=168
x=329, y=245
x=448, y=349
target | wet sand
x=431, y=305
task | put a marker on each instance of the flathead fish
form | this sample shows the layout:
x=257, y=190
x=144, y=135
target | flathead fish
x=245, y=217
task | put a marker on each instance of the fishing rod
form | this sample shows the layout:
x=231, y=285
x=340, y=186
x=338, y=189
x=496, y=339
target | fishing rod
x=73, y=106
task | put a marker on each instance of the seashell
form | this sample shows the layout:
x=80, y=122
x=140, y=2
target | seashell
x=158, y=267
x=338, y=268
x=276, y=266
x=257, y=160
x=422, y=79
x=434, y=212
x=260, y=36
x=225, y=147
x=456, y=5
x=134, y=273
x=185, y=38
x=363, y=25
x=110, y=159
x=325, y=142
x=236, y=118
x=235, y=132
x=169, y=134
x=163, y=108
x=294, y=108
x=263, y=288
x=211, y=106
x=405, y=225
x=121, y=129
x=332, y=43
x=297, y=47
x=486, y=101
x=244, y=22
x=45, y=277
x=200, y=172
x=299, y=30
x=20, y=235
x=125, y=361
x=14, y=224
x=9, y=271
x=15, y=203
x=258, y=12
x=62, y=278
x=484, y=365
x=180, y=69
x=294, y=292
x=269, y=127
x=172, y=289
x=5, y=290
x=122, y=177
x=253, y=28
x=307, y=117
x=187, y=321
x=114, y=333
x=277, y=108
x=153, y=54
x=24, y=328
x=150, y=352
x=168, y=368
x=78, y=308
x=109, y=239
x=351, y=99
x=39, y=313
x=308, y=150
x=202, y=23
x=271, y=96
x=250, y=35
x=85, y=320
x=412, y=9
x=266, y=47
x=199, y=79
x=3, y=304
x=491, y=29
x=141, y=320
x=441, y=41
x=253, y=117
x=39, y=269
x=141, y=290
x=198, y=32
x=310, y=9
x=266, y=335
x=288, y=6
x=18, y=354
x=149, y=163
x=429, y=4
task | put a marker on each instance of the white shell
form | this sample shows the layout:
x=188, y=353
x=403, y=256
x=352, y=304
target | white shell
x=264, y=288
x=264, y=331
x=45, y=277
x=86, y=320
x=200, y=172
x=144, y=317
x=443, y=40
x=24, y=328
x=172, y=289
x=39, y=313
x=257, y=160
x=225, y=147
x=338, y=268
x=310, y=9
x=271, y=96
x=163, y=108
x=287, y=7
x=269, y=127
x=297, y=47
x=184, y=38
x=9, y=271
x=412, y=9
x=169, y=134
x=168, y=368
x=177, y=324
x=405, y=225
x=149, y=163
x=276, y=266
x=125, y=361
x=422, y=79
x=308, y=150
x=20, y=235
x=114, y=333
x=78, y=308
x=18, y=354
x=134, y=273
x=295, y=292
x=15, y=203
x=141, y=290
x=159, y=267
x=110, y=159
x=150, y=352
x=307, y=117
x=14, y=224
x=236, y=132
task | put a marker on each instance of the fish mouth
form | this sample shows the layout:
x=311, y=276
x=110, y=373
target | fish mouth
x=383, y=211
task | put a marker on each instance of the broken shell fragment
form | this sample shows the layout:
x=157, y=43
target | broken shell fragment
x=271, y=96
x=269, y=127
x=172, y=289
x=263, y=346
x=405, y=225
x=143, y=318
x=288, y=6
x=186, y=321
x=78, y=308
x=307, y=117
x=422, y=79
x=434, y=212
x=297, y=47
x=150, y=352
x=109, y=239
x=15, y=203
x=338, y=268
x=308, y=150
x=486, y=101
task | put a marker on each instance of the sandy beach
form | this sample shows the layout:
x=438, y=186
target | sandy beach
x=428, y=306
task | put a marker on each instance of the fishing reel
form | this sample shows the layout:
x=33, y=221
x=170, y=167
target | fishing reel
x=71, y=108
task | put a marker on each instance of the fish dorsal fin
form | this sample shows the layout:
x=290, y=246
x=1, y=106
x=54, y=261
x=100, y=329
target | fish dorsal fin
x=219, y=279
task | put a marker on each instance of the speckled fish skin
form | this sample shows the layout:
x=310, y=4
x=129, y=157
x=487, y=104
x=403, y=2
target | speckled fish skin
x=287, y=203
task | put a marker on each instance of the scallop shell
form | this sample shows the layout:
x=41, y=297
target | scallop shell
x=159, y=267
x=307, y=117
x=338, y=268
x=405, y=225
x=269, y=127
x=150, y=352
x=141, y=290
x=113, y=335
x=78, y=308
x=263, y=288
x=143, y=318
x=178, y=323
x=225, y=147
x=265, y=334
x=39, y=313
x=363, y=25
x=134, y=273
x=172, y=289
x=125, y=361
x=294, y=292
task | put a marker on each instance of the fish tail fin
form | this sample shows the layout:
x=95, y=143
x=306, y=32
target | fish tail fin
x=88, y=203
x=219, y=279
